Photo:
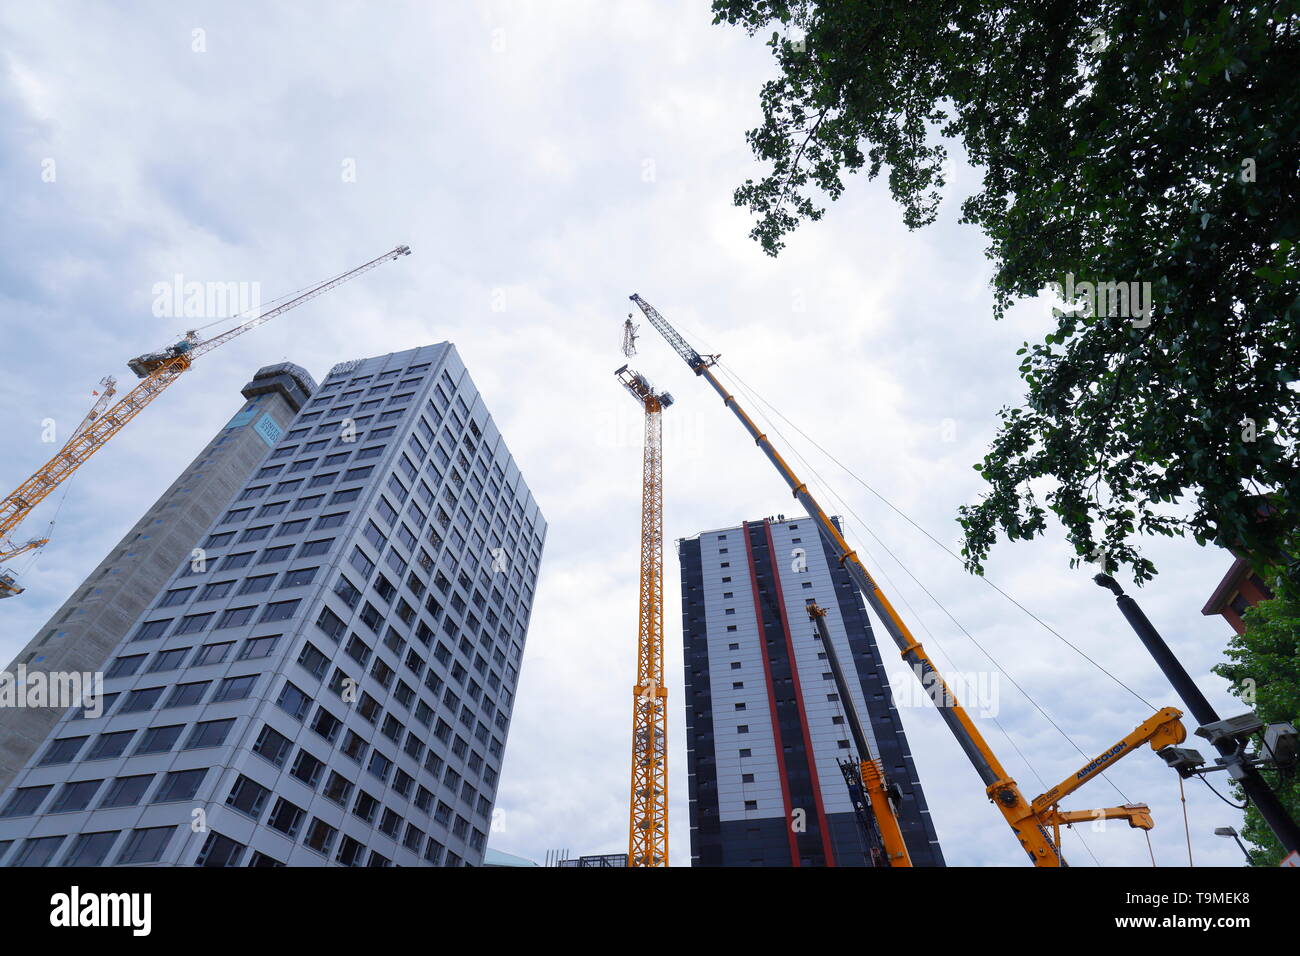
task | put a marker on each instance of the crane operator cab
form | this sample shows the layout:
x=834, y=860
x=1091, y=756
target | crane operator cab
x=142, y=365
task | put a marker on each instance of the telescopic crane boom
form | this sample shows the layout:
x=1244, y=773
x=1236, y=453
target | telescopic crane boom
x=158, y=370
x=1029, y=821
x=869, y=789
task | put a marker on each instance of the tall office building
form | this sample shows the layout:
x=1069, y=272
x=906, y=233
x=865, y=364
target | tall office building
x=765, y=728
x=330, y=682
x=80, y=635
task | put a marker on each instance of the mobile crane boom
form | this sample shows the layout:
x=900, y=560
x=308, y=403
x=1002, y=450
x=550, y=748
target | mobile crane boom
x=158, y=370
x=1028, y=822
x=869, y=789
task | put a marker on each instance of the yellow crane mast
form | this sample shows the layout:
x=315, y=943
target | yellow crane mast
x=158, y=370
x=648, y=824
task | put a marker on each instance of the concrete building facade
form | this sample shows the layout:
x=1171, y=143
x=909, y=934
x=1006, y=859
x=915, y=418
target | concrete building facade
x=330, y=680
x=79, y=636
x=765, y=727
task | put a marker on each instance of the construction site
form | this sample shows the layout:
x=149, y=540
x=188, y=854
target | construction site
x=471, y=557
x=877, y=801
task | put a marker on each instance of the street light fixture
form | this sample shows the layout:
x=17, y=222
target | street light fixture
x=1232, y=832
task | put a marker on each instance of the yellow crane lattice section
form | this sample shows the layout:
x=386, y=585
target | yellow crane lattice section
x=648, y=823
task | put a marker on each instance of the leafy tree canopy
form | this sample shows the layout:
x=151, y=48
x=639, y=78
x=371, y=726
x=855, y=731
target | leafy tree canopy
x=1120, y=143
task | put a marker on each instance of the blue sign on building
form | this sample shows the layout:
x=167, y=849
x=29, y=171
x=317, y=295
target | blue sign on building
x=269, y=431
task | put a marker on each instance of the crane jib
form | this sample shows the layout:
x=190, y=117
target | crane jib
x=156, y=370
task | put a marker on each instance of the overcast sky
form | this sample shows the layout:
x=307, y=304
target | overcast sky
x=544, y=161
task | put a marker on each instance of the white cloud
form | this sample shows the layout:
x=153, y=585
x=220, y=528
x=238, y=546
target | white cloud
x=523, y=169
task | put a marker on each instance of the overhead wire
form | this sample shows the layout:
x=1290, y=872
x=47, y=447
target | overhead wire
x=842, y=504
x=948, y=550
x=750, y=392
x=933, y=539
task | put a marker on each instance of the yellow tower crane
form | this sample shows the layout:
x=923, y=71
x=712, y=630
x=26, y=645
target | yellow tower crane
x=648, y=825
x=158, y=370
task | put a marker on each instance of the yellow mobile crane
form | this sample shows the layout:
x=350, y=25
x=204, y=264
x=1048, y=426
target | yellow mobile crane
x=158, y=370
x=648, y=823
x=1030, y=821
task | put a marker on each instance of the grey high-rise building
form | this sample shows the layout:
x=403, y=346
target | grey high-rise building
x=765, y=727
x=80, y=635
x=330, y=680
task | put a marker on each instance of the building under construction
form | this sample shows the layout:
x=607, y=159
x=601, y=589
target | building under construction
x=765, y=727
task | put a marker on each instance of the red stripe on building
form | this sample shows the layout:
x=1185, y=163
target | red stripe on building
x=798, y=693
x=771, y=701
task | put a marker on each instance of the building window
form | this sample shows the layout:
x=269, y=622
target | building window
x=75, y=796
x=179, y=785
x=152, y=629
x=320, y=836
x=257, y=585
x=285, y=817
x=125, y=666
x=307, y=768
x=220, y=850
x=212, y=654
x=338, y=788
x=273, y=746
x=111, y=745
x=236, y=617
x=38, y=851
x=279, y=611
x=145, y=845
x=126, y=791
x=186, y=695
x=235, y=688
x=248, y=797
x=142, y=699
x=293, y=701
x=258, y=647
x=299, y=577
x=159, y=740
x=209, y=733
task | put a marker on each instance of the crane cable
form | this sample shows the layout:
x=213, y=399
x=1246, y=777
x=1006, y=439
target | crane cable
x=921, y=622
x=757, y=398
x=947, y=550
x=35, y=555
x=248, y=312
x=916, y=617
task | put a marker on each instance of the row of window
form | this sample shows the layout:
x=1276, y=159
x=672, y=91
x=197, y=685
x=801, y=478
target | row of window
x=145, y=845
x=230, y=617
x=129, y=791
x=127, y=665
x=255, y=584
x=221, y=850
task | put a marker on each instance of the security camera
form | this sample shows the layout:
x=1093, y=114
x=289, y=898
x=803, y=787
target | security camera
x=1239, y=728
x=1183, y=759
x=1281, y=744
